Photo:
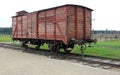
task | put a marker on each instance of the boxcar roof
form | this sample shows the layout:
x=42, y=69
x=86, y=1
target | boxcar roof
x=59, y=7
x=63, y=6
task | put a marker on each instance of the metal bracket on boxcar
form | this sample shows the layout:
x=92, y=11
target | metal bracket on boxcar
x=82, y=46
x=70, y=43
x=24, y=44
x=89, y=41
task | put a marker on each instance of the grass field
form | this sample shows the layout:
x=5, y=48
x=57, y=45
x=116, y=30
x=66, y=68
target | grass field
x=5, y=38
x=109, y=49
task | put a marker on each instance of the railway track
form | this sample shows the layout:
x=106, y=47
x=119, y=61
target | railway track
x=87, y=60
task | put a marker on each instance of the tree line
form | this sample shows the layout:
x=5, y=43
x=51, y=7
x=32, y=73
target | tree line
x=6, y=30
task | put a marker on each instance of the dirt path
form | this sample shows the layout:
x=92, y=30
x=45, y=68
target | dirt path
x=15, y=62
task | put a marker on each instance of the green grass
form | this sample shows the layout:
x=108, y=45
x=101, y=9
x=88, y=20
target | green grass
x=5, y=38
x=109, y=49
x=112, y=43
x=103, y=52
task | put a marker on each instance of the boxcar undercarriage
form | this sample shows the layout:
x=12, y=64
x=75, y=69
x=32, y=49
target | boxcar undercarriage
x=56, y=45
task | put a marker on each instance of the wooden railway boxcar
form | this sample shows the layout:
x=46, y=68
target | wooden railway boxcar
x=57, y=26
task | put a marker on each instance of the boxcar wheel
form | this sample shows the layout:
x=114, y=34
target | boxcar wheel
x=57, y=48
x=25, y=46
x=54, y=48
x=51, y=47
x=37, y=47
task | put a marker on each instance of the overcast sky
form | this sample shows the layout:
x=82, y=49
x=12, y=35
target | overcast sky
x=106, y=13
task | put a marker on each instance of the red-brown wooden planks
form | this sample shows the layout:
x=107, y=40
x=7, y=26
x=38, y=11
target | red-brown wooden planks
x=80, y=22
x=88, y=23
x=50, y=21
x=41, y=24
x=53, y=22
x=60, y=23
x=19, y=27
x=34, y=25
x=14, y=22
x=71, y=22
x=29, y=26
x=24, y=26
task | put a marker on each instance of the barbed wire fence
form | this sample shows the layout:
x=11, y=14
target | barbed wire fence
x=106, y=35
